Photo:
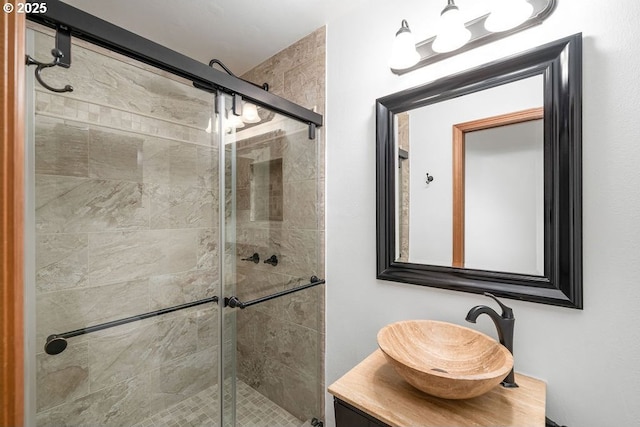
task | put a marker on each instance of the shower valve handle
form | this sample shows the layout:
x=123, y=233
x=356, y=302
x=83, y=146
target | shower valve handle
x=255, y=258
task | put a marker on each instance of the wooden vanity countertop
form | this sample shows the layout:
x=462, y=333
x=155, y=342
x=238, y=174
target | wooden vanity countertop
x=374, y=387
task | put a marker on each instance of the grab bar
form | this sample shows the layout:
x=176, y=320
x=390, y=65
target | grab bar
x=56, y=343
x=234, y=302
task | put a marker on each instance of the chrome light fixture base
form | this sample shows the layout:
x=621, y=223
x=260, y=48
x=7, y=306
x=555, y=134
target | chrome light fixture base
x=479, y=35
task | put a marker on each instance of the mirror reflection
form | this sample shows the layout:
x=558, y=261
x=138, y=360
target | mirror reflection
x=470, y=181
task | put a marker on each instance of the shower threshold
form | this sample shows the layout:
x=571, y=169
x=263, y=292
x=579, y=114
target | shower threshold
x=253, y=410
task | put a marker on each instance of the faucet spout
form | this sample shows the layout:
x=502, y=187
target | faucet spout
x=504, y=324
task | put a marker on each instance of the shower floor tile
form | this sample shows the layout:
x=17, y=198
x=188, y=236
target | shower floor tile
x=200, y=410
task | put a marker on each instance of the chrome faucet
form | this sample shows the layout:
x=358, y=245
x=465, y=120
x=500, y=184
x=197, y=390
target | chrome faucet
x=504, y=324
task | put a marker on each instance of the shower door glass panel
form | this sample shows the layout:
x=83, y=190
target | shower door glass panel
x=272, y=356
x=126, y=220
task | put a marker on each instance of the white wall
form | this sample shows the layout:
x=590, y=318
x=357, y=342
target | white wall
x=504, y=199
x=431, y=150
x=591, y=358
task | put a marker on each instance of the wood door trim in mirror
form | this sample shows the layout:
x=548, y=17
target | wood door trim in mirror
x=560, y=65
x=459, y=131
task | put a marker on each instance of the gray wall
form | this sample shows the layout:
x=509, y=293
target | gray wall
x=588, y=358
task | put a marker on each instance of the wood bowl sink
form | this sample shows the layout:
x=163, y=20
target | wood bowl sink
x=443, y=359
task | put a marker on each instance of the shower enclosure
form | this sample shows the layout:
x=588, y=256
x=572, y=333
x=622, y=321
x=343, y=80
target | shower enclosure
x=175, y=271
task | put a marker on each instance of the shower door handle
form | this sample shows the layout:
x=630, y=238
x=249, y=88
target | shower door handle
x=234, y=302
x=57, y=343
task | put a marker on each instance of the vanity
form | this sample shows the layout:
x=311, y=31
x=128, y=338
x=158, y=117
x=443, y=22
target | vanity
x=372, y=394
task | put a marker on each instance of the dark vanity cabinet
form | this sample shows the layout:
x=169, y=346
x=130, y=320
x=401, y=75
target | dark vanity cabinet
x=350, y=416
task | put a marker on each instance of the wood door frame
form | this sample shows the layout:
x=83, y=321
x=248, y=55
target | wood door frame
x=459, y=131
x=12, y=94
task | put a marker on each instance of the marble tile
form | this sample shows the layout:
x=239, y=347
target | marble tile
x=121, y=355
x=294, y=346
x=263, y=374
x=60, y=148
x=253, y=409
x=115, y=155
x=120, y=405
x=127, y=85
x=305, y=85
x=177, y=336
x=297, y=251
x=182, y=207
x=257, y=282
x=304, y=308
x=208, y=249
x=207, y=323
x=61, y=378
x=138, y=254
x=303, y=396
x=174, y=163
x=270, y=71
x=61, y=261
x=301, y=204
x=180, y=288
x=207, y=167
x=301, y=157
x=305, y=49
x=187, y=376
x=69, y=205
x=72, y=309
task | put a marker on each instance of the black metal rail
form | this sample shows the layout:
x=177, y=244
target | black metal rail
x=56, y=343
x=102, y=33
x=234, y=302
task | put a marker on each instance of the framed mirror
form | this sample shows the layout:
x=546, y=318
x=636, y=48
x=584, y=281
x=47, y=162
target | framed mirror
x=479, y=179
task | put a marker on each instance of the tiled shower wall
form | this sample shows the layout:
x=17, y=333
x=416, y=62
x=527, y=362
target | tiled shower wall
x=280, y=343
x=404, y=172
x=126, y=208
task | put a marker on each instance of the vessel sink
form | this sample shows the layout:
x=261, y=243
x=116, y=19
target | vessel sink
x=443, y=359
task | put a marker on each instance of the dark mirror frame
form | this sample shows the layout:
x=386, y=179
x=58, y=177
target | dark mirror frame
x=560, y=64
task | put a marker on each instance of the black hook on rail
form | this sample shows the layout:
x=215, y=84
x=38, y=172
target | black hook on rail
x=57, y=55
x=265, y=86
x=61, y=57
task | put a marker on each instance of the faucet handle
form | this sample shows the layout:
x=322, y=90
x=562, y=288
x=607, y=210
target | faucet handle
x=507, y=312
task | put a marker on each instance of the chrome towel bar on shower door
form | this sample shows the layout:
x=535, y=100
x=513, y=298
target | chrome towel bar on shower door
x=234, y=302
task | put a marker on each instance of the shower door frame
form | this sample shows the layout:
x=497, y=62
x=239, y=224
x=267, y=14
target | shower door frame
x=94, y=30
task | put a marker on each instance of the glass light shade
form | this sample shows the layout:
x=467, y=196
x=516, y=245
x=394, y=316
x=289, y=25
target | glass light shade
x=452, y=34
x=250, y=113
x=403, y=51
x=508, y=14
x=233, y=122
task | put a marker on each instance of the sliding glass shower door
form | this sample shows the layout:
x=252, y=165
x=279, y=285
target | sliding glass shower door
x=273, y=317
x=174, y=246
x=125, y=236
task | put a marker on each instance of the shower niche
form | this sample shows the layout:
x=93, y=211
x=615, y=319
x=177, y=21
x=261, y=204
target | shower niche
x=266, y=195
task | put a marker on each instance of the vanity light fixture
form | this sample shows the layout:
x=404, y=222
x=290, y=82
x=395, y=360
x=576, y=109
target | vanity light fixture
x=250, y=113
x=234, y=122
x=452, y=34
x=507, y=14
x=403, y=51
